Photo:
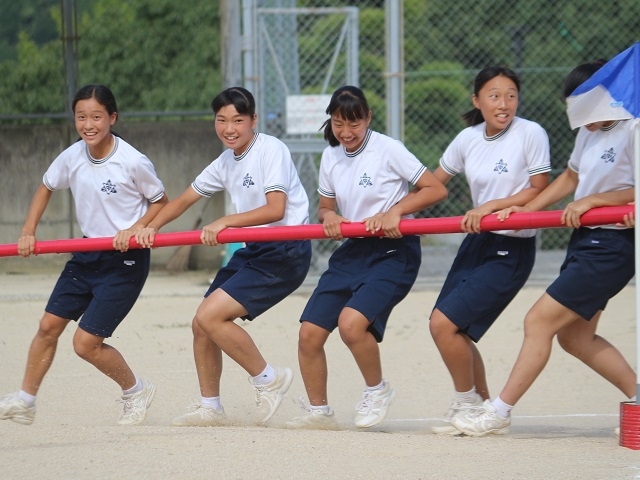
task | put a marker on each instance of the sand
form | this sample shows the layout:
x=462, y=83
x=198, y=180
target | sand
x=562, y=428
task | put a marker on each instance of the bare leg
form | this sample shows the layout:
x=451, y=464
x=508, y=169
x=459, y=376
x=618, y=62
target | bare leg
x=457, y=352
x=313, y=362
x=208, y=359
x=215, y=317
x=546, y=318
x=104, y=357
x=580, y=340
x=42, y=351
x=479, y=374
x=363, y=345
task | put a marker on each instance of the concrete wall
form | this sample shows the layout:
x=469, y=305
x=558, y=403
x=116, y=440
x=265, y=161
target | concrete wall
x=179, y=151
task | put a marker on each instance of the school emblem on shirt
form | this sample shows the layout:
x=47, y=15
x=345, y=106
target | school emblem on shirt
x=247, y=181
x=109, y=187
x=365, y=181
x=609, y=156
x=501, y=167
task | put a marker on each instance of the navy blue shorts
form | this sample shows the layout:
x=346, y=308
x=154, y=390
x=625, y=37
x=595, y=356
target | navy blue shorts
x=370, y=275
x=599, y=263
x=102, y=287
x=262, y=274
x=487, y=273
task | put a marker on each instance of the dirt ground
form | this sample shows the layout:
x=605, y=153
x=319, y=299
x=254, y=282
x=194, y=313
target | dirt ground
x=562, y=428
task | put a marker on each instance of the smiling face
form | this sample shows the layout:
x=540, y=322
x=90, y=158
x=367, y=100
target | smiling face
x=350, y=134
x=233, y=129
x=93, y=123
x=498, y=102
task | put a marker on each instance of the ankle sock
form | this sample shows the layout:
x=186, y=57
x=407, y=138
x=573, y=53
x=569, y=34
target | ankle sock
x=466, y=397
x=27, y=398
x=267, y=376
x=211, y=402
x=135, y=389
x=502, y=409
x=380, y=386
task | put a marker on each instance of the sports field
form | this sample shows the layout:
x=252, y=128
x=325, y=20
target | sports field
x=562, y=429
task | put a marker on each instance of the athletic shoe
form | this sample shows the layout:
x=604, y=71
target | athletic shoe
x=480, y=421
x=136, y=404
x=313, y=419
x=199, y=416
x=272, y=393
x=12, y=408
x=446, y=428
x=373, y=407
x=617, y=432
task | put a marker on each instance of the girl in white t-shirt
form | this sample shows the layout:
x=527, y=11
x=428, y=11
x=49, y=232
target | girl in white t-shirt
x=364, y=177
x=116, y=192
x=259, y=174
x=600, y=261
x=505, y=160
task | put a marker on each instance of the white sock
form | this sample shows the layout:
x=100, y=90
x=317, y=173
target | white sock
x=267, y=376
x=466, y=397
x=136, y=388
x=502, y=409
x=633, y=399
x=211, y=402
x=380, y=386
x=27, y=398
x=324, y=408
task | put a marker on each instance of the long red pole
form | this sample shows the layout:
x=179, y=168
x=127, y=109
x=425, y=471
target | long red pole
x=420, y=226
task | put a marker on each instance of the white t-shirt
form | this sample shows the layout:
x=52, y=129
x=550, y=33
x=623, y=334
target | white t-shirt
x=603, y=160
x=266, y=166
x=111, y=193
x=499, y=166
x=372, y=179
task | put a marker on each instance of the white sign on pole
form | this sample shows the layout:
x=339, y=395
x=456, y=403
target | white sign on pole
x=306, y=113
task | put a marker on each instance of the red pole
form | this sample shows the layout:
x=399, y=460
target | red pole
x=420, y=226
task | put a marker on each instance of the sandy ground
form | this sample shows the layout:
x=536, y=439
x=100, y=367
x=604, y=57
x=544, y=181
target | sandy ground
x=562, y=429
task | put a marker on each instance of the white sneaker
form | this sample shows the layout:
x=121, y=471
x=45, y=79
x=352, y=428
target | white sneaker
x=480, y=421
x=373, y=407
x=313, y=419
x=136, y=404
x=445, y=428
x=617, y=432
x=272, y=393
x=12, y=408
x=199, y=416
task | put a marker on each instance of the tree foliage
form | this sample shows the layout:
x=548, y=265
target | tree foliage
x=156, y=55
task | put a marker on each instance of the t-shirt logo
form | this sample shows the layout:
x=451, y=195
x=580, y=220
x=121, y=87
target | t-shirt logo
x=247, y=181
x=365, y=181
x=501, y=167
x=609, y=156
x=109, y=187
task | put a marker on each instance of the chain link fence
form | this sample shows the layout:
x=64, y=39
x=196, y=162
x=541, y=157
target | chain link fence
x=309, y=47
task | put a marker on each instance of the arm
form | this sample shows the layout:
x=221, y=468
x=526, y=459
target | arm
x=123, y=237
x=560, y=188
x=271, y=212
x=471, y=220
x=39, y=202
x=167, y=213
x=574, y=210
x=329, y=218
x=429, y=191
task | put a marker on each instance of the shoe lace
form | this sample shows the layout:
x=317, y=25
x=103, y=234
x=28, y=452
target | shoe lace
x=259, y=391
x=302, y=403
x=366, y=404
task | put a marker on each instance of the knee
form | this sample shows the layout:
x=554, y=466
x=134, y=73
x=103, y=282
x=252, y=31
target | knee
x=198, y=332
x=441, y=327
x=569, y=343
x=51, y=327
x=83, y=349
x=309, y=342
x=351, y=333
